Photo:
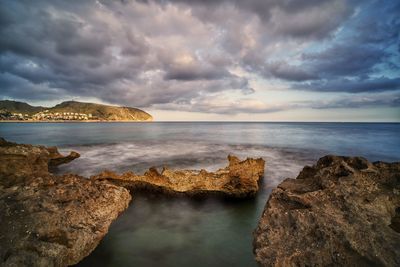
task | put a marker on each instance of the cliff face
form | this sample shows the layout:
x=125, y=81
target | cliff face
x=239, y=179
x=48, y=220
x=341, y=212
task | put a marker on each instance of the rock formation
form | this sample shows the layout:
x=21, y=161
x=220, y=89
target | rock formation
x=341, y=212
x=57, y=159
x=48, y=220
x=20, y=162
x=238, y=179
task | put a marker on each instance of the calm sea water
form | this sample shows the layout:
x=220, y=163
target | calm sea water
x=165, y=231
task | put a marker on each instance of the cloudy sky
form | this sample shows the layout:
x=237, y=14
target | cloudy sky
x=268, y=60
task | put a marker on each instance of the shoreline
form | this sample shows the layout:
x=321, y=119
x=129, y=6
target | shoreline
x=295, y=206
x=152, y=121
x=71, y=121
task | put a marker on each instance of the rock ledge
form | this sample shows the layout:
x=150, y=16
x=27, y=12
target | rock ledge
x=48, y=220
x=239, y=179
x=342, y=211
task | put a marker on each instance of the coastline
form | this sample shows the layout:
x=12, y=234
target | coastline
x=71, y=121
x=58, y=220
x=248, y=122
x=230, y=223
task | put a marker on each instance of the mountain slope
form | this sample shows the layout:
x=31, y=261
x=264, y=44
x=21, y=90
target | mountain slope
x=19, y=107
x=99, y=111
x=103, y=112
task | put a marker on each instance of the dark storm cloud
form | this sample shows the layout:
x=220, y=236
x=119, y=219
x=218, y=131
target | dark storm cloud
x=94, y=49
x=364, y=55
x=365, y=59
x=180, y=52
x=51, y=44
x=31, y=30
x=300, y=19
x=190, y=74
x=196, y=71
x=345, y=60
x=354, y=86
x=283, y=70
x=19, y=88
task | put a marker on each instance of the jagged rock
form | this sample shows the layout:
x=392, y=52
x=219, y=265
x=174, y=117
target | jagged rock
x=238, y=179
x=48, y=220
x=341, y=212
x=21, y=162
x=57, y=159
x=56, y=221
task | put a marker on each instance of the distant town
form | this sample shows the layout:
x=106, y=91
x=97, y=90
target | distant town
x=46, y=116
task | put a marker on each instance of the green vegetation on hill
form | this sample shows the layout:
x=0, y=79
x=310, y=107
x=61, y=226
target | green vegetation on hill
x=19, y=107
x=103, y=112
x=99, y=111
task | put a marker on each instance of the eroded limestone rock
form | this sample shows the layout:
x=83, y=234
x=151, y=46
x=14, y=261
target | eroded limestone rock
x=238, y=179
x=57, y=159
x=48, y=220
x=19, y=161
x=341, y=212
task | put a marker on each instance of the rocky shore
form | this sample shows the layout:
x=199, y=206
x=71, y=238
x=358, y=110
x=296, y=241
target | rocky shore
x=48, y=220
x=342, y=211
x=239, y=179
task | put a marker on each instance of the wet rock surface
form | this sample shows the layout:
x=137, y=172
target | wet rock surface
x=48, y=220
x=342, y=211
x=239, y=179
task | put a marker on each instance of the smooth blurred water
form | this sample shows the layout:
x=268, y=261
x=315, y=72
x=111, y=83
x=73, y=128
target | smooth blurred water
x=163, y=231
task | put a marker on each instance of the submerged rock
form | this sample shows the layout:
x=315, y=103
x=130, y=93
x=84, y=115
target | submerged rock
x=48, y=220
x=238, y=179
x=341, y=212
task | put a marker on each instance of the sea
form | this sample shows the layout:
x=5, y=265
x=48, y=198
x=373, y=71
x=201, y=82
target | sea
x=157, y=230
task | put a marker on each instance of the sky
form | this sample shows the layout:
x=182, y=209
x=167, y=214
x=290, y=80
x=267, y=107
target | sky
x=210, y=60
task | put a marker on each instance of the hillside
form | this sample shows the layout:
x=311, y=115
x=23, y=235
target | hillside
x=98, y=111
x=103, y=112
x=19, y=107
